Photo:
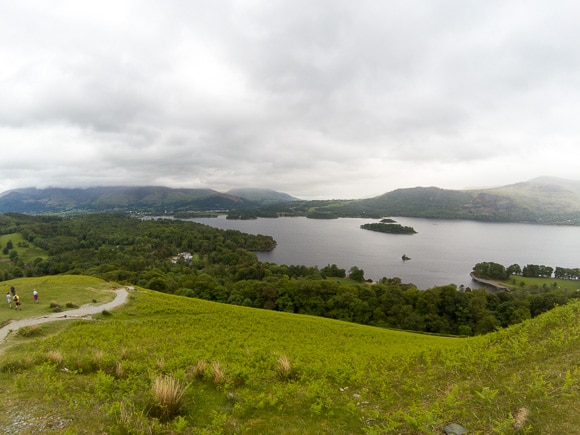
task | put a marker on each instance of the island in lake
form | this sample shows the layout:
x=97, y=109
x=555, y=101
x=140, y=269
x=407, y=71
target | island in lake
x=388, y=228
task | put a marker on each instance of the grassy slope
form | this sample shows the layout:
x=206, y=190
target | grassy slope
x=72, y=290
x=344, y=378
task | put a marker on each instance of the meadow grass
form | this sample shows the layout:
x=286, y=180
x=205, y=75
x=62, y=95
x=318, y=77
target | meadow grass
x=63, y=291
x=27, y=252
x=257, y=371
x=566, y=285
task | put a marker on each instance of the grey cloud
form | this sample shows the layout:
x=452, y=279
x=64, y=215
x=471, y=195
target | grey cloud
x=307, y=95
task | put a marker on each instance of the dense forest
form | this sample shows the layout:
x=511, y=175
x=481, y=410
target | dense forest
x=195, y=260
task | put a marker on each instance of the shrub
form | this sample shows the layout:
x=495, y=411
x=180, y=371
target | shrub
x=167, y=395
x=71, y=305
x=54, y=304
x=30, y=331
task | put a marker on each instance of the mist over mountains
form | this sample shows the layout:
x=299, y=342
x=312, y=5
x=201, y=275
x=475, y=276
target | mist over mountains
x=542, y=200
x=126, y=198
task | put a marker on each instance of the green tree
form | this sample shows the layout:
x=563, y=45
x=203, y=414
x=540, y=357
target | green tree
x=356, y=274
x=490, y=270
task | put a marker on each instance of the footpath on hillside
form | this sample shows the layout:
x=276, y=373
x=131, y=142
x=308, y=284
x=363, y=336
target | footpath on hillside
x=83, y=312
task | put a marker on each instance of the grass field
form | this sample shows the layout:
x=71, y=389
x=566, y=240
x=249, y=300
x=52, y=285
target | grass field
x=68, y=292
x=26, y=251
x=566, y=285
x=168, y=364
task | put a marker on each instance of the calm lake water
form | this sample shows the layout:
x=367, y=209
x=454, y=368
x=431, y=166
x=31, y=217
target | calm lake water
x=442, y=252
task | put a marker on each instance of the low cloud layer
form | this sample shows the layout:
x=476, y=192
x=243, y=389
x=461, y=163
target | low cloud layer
x=319, y=99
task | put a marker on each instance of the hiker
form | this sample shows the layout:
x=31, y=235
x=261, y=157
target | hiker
x=16, y=299
x=12, y=290
x=9, y=299
x=35, y=295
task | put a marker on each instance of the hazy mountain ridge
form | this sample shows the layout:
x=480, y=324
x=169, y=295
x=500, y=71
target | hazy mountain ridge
x=150, y=198
x=261, y=195
x=542, y=200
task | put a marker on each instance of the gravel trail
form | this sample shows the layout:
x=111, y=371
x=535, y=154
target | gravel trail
x=83, y=312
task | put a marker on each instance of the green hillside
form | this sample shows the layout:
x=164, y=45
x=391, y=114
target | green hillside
x=542, y=200
x=234, y=369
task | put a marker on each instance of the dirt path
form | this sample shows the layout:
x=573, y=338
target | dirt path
x=498, y=286
x=83, y=312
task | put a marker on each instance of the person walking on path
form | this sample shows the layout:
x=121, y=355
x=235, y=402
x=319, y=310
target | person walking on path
x=35, y=295
x=9, y=299
x=16, y=299
x=82, y=312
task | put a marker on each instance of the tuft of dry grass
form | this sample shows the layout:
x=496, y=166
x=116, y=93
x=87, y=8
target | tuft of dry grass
x=284, y=367
x=167, y=397
x=98, y=357
x=55, y=357
x=198, y=370
x=54, y=304
x=217, y=372
x=119, y=370
x=124, y=353
x=521, y=418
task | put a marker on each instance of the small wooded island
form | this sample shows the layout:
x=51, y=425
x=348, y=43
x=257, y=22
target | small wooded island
x=388, y=228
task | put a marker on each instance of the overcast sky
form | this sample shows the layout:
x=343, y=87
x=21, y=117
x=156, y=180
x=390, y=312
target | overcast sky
x=320, y=99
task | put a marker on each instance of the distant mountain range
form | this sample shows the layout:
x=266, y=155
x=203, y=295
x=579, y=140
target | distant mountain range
x=542, y=200
x=155, y=199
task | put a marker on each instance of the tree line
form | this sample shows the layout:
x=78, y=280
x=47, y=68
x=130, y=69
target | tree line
x=223, y=268
x=498, y=271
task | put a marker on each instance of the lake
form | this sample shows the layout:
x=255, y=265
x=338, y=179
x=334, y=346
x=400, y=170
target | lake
x=442, y=252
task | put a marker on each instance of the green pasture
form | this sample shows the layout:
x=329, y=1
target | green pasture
x=67, y=291
x=517, y=282
x=27, y=252
x=249, y=371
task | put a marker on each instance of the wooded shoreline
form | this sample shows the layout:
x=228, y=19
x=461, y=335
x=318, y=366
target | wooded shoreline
x=494, y=284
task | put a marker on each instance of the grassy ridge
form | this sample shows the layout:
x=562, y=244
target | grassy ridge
x=256, y=371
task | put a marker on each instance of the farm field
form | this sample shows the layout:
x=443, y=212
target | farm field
x=233, y=369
